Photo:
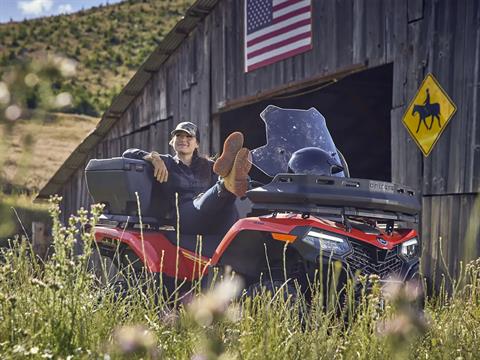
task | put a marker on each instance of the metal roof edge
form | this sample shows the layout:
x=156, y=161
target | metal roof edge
x=167, y=47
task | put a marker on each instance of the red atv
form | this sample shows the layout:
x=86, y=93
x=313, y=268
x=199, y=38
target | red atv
x=310, y=215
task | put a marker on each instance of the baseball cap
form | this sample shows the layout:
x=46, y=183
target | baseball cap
x=188, y=127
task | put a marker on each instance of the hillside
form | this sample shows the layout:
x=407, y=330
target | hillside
x=108, y=43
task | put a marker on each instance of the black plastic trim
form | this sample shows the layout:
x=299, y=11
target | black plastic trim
x=337, y=196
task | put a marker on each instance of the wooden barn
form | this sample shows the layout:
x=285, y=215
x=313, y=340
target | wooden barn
x=366, y=62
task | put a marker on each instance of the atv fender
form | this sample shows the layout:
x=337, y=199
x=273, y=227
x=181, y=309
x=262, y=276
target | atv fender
x=155, y=251
x=248, y=248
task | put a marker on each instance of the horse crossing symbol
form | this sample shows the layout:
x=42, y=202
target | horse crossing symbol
x=428, y=114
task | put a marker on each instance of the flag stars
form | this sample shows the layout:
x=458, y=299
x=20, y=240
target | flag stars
x=259, y=14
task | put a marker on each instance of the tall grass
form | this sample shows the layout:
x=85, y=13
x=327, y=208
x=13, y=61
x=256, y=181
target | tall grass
x=56, y=309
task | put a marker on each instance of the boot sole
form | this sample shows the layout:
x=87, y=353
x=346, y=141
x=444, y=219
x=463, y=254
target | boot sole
x=236, y=181
x=223, y=165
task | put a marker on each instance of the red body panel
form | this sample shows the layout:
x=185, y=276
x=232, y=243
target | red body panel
x=285, y=223
x=160, y=255
x=157, y=253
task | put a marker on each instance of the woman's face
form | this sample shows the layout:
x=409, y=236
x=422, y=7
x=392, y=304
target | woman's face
x=184, y=143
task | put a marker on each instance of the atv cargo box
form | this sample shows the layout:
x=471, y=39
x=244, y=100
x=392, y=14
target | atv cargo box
x=116, y=182
x=328, y=195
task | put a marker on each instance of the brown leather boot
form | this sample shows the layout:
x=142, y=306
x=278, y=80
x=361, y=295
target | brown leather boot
x=233, y=143
x=237, y=180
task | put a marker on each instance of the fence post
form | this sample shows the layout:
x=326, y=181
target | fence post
x=39, y=240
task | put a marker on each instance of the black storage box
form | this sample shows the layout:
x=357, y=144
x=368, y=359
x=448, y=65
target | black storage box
x=116, y=182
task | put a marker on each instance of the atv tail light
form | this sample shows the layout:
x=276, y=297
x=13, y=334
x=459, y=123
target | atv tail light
x=284, y=237
x=327, y=242
x=410, y=248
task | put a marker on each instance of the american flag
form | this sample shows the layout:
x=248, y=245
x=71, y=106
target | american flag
x=276, y=30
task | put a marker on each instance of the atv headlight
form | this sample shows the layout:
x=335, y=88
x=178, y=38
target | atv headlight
x=327, y=242
x=410, y=249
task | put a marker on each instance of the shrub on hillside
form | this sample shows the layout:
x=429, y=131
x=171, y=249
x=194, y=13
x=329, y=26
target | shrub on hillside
x=82, y=105
x=114, y=40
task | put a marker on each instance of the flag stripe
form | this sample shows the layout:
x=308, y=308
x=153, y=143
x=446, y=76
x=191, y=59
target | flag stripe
x=279, y=57
x=273, y=40
x=275, y=27
x=290, y=7
x=278, y=51
x=284, y=4
x=305, y=9
x=279, y=2
x=278, y=44
x=280, y=31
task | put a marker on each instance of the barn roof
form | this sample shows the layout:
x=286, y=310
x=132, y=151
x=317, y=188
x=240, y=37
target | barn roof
x=120, y=103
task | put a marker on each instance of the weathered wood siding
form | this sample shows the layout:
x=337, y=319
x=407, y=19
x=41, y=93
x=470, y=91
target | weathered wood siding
x=451, y=226
x=206, y=74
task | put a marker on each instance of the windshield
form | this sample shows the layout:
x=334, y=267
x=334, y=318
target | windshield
x=289, y=130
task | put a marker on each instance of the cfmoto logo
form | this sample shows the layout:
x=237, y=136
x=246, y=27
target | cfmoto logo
x=382, y=241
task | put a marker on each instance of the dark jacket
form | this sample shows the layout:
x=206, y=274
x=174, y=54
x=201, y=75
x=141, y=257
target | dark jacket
x=187, y=181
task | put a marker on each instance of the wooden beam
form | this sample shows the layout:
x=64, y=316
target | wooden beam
x=215, y=145
x=289, y=88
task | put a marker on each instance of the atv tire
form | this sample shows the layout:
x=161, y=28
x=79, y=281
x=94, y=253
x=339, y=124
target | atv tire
x=105, y=266
x=275, y=287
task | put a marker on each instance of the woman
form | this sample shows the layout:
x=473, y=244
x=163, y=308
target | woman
x=205, y=201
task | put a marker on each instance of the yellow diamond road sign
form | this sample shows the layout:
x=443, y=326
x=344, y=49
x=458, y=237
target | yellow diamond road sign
x=428, y=114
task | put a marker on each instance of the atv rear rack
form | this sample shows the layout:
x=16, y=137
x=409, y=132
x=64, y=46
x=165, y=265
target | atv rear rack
x=325, y=195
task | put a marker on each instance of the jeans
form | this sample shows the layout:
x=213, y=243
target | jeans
x=212, y=212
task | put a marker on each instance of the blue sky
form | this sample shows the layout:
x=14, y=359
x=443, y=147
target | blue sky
x=29, y=9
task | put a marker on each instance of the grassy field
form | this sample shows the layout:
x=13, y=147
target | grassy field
x=34, y=149
x=31, y=152
x=54, y=309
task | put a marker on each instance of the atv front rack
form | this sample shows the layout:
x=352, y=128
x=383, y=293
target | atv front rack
x=325, y=195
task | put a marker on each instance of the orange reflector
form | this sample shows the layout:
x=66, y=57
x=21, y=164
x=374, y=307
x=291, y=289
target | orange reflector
x=284, y=237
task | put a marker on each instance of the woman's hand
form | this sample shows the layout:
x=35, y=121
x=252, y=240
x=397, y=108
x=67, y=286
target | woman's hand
x=160, y=171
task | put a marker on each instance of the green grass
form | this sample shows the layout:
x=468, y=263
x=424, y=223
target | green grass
x=54, y=309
